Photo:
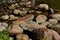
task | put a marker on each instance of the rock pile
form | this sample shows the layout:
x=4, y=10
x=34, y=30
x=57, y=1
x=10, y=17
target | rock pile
x=27, y=23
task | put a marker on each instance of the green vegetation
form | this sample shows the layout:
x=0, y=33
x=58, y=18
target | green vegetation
x=4, y=35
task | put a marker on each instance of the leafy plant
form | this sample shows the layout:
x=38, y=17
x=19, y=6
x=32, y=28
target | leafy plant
x=4, y=35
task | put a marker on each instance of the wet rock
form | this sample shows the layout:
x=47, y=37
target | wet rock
x=41, y=18
x=22, y=37
x=4, y=17
x=53, y=21
x=15, y=29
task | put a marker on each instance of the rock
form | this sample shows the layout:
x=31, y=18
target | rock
x=23, y=13
x=44, y=6
x=24, y=19
x=55, y=27
x=12, y=7
x=41, y=18
x=45, y=23
x=4, y=24
x=10, y=38
x=12, y=17
x=22, y=4
x=16, y=5
x=31, y=11
x=16, y=11
x=50, y=34
x=56, y=16
x=28, y=3
x=22, y=37
x=38, y=34
x=30, y=26
x=56, y=35
x=2, y=28
x=5, y=17
x=52, y=11
x=53, y=21
x=15, y=29
x=38, y=12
